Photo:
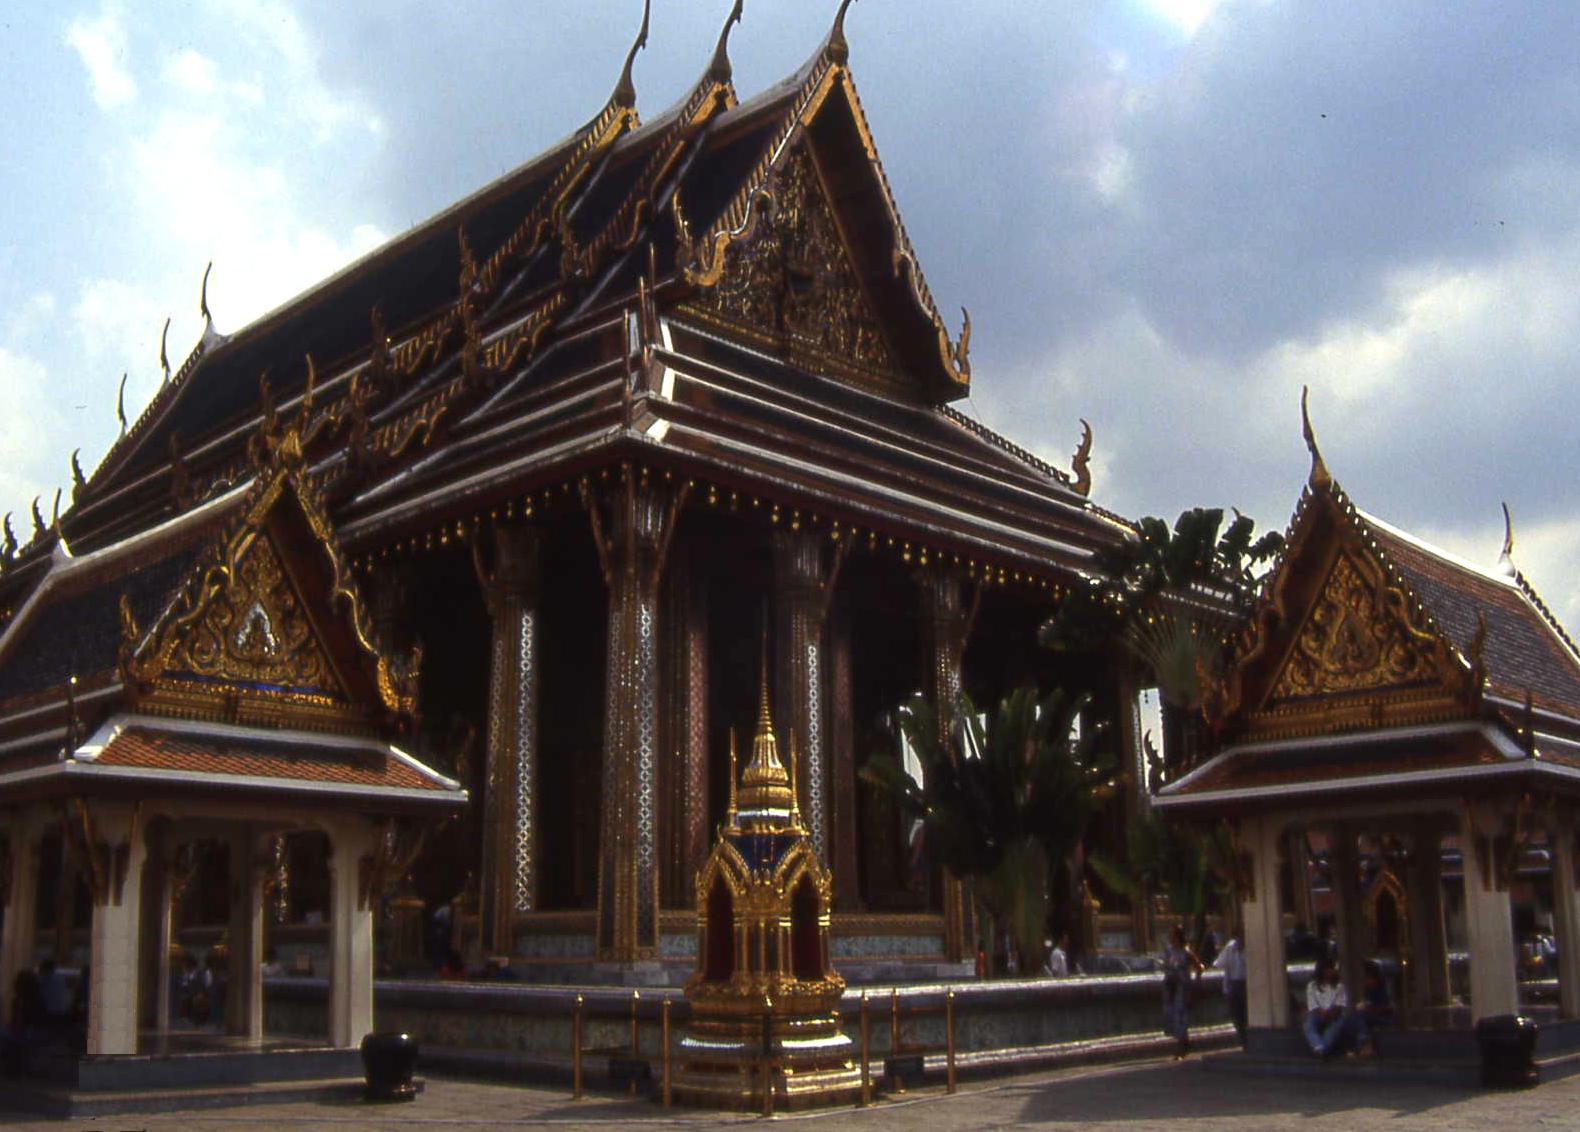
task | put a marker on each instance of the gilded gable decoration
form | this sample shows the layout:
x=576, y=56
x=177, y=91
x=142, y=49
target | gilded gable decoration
x=243, y=623
x=1361, y=634
x=792, y=286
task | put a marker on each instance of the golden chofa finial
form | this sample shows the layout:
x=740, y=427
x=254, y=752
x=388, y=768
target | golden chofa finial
x=1320, y=476
x=1506, y=565
x=625, y=90
x=838, y=50
x=720, y=70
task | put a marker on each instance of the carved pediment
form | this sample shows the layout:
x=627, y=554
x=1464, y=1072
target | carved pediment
x=243, y=625
x=791, y=286
x=1362, y=633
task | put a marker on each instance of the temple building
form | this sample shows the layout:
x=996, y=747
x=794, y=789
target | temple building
x=1407, y=725
x=578, y=438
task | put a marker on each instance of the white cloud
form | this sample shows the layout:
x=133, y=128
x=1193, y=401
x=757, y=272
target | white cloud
x=1186, y=15
x=193, y=71
x=117, y=324
x=100, y=42
x=29, y=423
x=326, y=109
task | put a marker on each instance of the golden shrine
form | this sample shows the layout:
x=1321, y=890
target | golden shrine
x=765, y=996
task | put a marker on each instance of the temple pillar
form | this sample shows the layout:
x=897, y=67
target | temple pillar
x=350, y=932
x=1298, y=854
x=945, y=626
x=508, y=880
x=1566, y=916
x=683, y=814
x=633, y=518
x=244, y=977
x=1428, y=983
x=20, y=892
x=1267, y=984
x=1138, y=800
x=842, y=752
x=115, y=935
x=1345, y=860
x=802, y=583
x=1489, y=929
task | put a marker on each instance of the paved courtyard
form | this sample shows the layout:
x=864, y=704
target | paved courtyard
x=1148, y=1095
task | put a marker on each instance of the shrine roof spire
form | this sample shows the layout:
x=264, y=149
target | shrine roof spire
x=625, y=90
x=1506, y=565
x=1320, y=476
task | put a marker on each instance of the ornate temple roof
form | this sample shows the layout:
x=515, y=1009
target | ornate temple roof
x=1373, y=661
x=227, y=650
x=726, y=288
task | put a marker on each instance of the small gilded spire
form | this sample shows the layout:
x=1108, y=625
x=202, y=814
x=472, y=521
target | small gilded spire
x=765, y=785
x=1506, y=565
x=720, y=70
x=625, y=90
x=731, y=819
x=1320, y=476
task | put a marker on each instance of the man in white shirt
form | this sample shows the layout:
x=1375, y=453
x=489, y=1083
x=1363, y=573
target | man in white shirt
x=1231, y=961
x=1058, y=964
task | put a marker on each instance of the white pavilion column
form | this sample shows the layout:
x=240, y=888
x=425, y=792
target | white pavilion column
x=113, y=981
x=244, y=998
x=1344, y=857
x=1566, y=917
x=350, y=934
x=21, y=910
x=1488, y=926
x=1267, y=985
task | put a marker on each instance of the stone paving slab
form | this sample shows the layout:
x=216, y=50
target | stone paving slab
x=1150, y=1096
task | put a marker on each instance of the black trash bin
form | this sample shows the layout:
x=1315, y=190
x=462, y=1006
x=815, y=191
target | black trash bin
x=1508, y=1048
x=387, y=1063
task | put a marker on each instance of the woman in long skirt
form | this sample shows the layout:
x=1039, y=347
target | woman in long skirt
x=1180, y=968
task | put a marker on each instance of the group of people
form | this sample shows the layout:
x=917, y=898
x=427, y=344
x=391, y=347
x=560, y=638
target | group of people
x=1331, y=1026
x=45, y=1011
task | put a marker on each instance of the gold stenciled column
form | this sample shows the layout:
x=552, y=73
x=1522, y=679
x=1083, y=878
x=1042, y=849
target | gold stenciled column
x=842, y=744
x=946, y=624
x=633, y=518
x=802, y=584
x=683, y=811
x=508, y=883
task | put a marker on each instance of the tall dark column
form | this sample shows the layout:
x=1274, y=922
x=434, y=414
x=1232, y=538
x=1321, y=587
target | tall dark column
x=508, y=883
x=633, y=516
x=1429, y=986
x=803, y=580
x=945, y=626
x=842, y=750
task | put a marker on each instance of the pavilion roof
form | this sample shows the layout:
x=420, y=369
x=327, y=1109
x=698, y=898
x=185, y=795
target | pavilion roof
x=1374, y=662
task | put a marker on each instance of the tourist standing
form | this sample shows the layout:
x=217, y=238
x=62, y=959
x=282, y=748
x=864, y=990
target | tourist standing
x=1231, y=961
x=1058, y=962
x=1180, y=969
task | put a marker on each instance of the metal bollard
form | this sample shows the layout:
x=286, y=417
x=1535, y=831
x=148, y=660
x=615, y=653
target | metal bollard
x=636, y=1037
x=768, y=1040
x=576, y=1049
x=667, y=1099
x=894, y=1036
x=866, y=1053
x=949, y=1036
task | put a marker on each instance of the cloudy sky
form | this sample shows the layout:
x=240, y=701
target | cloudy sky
x=1165, y=216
